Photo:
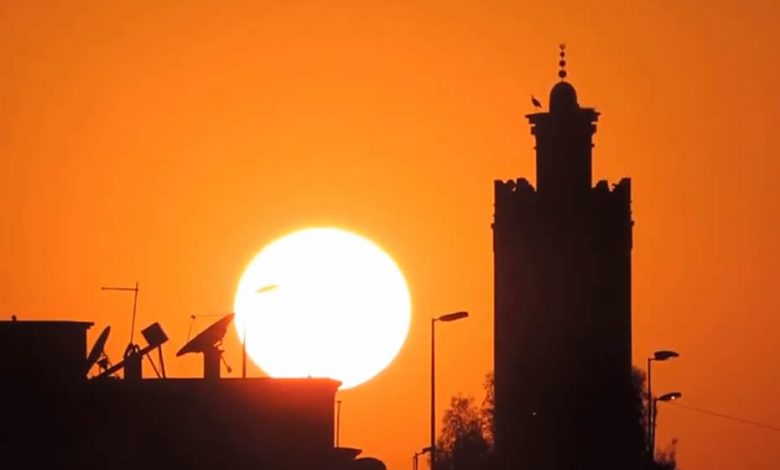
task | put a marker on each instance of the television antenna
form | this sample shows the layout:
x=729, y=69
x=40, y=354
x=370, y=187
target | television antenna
x=131, y=347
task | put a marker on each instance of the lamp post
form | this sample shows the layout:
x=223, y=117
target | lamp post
x=671, y=396
x=261, y=290
x=662, y=355
x=444, y=318
x=415, y=463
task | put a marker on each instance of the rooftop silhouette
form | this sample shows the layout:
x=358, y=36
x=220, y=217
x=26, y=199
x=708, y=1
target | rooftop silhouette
x=54, y=416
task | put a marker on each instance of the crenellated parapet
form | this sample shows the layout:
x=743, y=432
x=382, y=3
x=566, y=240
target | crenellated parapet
x=512, y=195
x=517, y=198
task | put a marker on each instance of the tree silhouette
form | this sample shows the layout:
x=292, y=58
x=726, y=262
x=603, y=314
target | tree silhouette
x=466, y=439
x=488, y=408
x=666, y=460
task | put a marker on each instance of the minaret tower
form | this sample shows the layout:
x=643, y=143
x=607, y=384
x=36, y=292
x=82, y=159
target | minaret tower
x=563, y=142
x=562, y=259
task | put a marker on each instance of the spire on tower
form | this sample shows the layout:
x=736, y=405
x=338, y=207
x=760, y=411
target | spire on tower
x=562, y=63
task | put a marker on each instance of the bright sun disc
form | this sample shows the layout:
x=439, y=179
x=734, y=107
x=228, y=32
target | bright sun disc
x=323, y=302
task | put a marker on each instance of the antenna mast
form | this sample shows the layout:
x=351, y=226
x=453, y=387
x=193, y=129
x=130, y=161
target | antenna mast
x=135, y=303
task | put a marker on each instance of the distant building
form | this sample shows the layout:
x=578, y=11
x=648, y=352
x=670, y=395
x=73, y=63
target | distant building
x=53, y=417
x=562, y=256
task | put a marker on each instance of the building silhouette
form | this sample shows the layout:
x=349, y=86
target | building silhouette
x=55, y=417
x=562, y=259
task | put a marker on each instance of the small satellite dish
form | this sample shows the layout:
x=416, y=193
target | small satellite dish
x=154, y=335
x=131, y=363
x=207, y=342
x=98, y=349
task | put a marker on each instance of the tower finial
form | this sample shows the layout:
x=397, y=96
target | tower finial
x=562, y=62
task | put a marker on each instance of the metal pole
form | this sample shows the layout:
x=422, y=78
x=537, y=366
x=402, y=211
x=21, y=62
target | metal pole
x=433, y=394
x=135, y=301
x=652, y=435
x=243, y=356
x=261, y=290
x=162, y=363
x=338, y=421
x=650, y=420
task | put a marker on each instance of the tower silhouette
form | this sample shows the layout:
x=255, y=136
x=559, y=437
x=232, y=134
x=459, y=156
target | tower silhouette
x=562, y=260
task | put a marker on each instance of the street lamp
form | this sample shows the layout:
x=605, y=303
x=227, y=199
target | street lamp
x=671, y=396
x=261, y=290
x=662, y=355
x=444, y=318
x=415, y=463
x=666, y=397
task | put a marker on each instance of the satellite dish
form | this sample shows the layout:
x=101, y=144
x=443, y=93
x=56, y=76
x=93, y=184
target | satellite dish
x=208, y=338
x=131, y=363
x=98, y=349
x=207, y=342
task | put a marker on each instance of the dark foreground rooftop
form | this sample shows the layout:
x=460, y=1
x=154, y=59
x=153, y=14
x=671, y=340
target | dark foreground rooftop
x=56, y=418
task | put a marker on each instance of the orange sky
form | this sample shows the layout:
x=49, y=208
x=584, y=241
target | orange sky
x=167, y=144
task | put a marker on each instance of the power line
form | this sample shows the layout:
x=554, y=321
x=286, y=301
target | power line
x=725, y=416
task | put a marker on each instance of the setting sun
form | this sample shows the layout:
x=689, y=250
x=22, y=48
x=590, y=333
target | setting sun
x=323, y=302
